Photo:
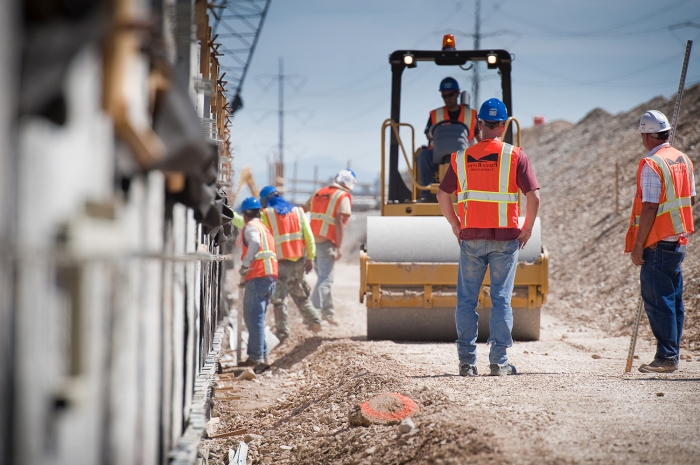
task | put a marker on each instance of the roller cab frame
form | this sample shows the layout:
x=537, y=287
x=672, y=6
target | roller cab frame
x=417, y=301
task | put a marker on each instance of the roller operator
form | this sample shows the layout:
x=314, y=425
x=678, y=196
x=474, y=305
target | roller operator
x=451, y=113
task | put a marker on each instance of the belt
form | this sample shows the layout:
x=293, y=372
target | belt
x=666, y=243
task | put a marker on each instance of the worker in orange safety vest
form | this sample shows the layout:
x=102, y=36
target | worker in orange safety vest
x=660, y=223
x=486, y=178
x=451, y=113
x=259, y=275
x=296, y=250
x=330, y=209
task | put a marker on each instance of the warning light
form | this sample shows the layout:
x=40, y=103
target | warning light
x=448, y=42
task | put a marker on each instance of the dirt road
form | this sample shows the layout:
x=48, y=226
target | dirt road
x=569, y=403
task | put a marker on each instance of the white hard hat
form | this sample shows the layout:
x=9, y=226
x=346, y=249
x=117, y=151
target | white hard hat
x=653, y=121
x=346, y=178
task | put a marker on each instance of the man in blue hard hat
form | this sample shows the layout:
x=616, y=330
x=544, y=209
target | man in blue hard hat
x=259, y=275
x=486, y=178
x=296, y=250
x=465, y=131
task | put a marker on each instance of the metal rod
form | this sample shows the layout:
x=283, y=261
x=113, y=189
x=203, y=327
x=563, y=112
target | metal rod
x=239, y=324
x=679, y=95
x=635, y=330
x=617, y=188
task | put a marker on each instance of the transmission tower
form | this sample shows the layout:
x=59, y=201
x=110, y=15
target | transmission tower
x=276, y=172
x=241, y=22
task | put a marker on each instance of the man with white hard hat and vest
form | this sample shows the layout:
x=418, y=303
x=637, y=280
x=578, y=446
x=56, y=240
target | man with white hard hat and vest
x=486, y=178
x=451, y=113
x=259, y=274
x=330, y=209
x=296, y=250
x=660, y=223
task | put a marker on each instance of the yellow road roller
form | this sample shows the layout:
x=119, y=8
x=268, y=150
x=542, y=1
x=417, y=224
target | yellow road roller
x=408, y=265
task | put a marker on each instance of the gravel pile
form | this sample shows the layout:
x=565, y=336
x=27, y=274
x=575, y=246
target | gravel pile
x=310, y=421
x=591, y=282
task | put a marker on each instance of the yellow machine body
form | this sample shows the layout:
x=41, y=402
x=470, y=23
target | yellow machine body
x=417, y=301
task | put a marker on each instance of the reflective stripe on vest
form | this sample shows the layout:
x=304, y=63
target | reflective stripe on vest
x=327, y=217
x=441, y=114
x=287, y=237
x=502, y=197
x=673, y=204
x=265, y=253
x=265, y=256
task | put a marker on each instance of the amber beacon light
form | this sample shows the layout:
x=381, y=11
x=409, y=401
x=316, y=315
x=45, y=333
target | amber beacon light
x=448, y=42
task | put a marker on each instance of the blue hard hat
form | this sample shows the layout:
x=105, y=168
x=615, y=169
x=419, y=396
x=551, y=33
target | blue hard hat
x=266, y=192
x=250, y=203
x=493, y=110
x=449, y=83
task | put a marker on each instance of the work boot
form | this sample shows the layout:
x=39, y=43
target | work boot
x=281, y=335
x=502, y=370
x=659, y=366
x=316, y=327
x=331, y=321
x=249, y=362
x=467, y=370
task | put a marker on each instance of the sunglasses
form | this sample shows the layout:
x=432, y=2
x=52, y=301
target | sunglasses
x=450, y=94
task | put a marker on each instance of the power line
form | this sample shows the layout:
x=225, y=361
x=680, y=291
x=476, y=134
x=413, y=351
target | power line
x=612, y=30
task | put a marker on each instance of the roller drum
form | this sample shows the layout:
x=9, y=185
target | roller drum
x=427, y=239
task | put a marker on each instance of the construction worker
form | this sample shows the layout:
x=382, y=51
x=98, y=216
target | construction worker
x=259, y=274
x=330, y=209
x=661, y=220
x=453, y=112
x=487, y=177
x=296, y=250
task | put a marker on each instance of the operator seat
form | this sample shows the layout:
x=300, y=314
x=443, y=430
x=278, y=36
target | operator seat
x=448, y=138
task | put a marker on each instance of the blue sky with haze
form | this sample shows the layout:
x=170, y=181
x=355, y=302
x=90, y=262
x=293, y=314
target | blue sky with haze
x=570, y=57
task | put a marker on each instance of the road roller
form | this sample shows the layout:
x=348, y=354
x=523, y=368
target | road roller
x=409, y=263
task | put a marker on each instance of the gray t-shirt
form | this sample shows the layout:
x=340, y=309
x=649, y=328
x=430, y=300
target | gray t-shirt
x=251, y=238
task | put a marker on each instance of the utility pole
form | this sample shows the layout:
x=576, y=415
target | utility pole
x=477, y=46
x=477, y=35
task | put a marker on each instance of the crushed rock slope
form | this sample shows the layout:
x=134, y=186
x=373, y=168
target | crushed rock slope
x=591, y=281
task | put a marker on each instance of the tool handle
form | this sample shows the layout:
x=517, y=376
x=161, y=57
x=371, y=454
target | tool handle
x=679, y=95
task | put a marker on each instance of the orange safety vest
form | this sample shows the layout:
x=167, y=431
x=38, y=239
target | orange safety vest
x=324, y=210
x=441, y=114
x=487, y=191
x=287, y=232
x=265, y=261
x=675, y=214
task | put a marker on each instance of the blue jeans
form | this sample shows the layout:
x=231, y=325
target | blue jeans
x=502, y=259
x=662, y=292
x=426, y=170
x=258, y=292
x=323, y=264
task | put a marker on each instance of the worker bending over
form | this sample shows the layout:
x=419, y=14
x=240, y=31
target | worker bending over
x=259, y=273
x=661, y=220
x=296, y=250
x=330, y=209
x=452, y=113
x=487, y=177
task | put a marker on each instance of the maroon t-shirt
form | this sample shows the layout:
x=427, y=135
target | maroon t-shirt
x=526, y=181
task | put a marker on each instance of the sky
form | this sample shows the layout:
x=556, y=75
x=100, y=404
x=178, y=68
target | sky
x=569, y=58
